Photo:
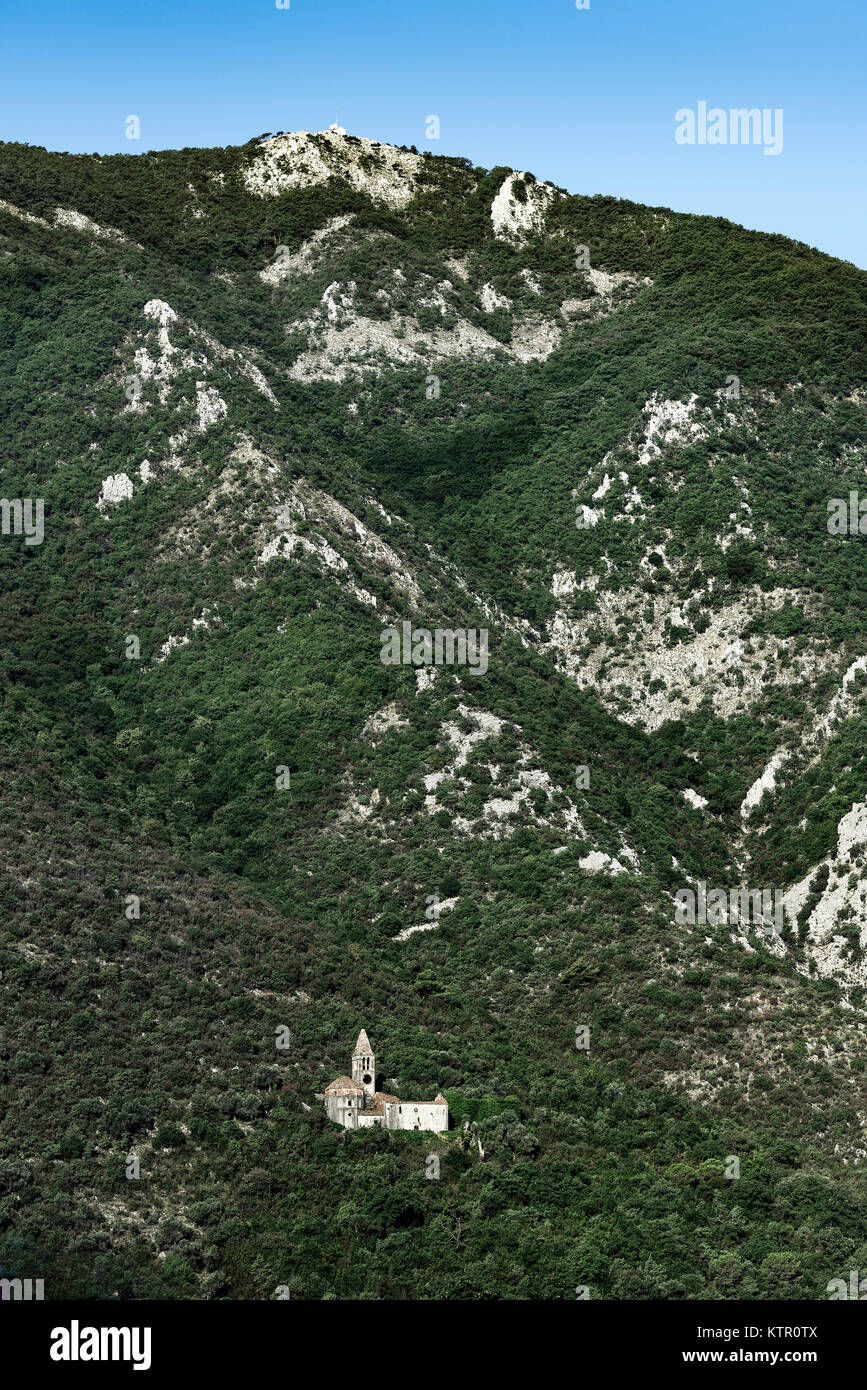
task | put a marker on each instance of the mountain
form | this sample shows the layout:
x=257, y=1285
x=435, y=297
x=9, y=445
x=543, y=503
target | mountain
x=277, y=401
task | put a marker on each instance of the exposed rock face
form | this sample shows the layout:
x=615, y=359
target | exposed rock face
x=652, y=681
x=519, y=208
x=68, y=217
x=383, y=173
x=116, y=489
x=836, y=927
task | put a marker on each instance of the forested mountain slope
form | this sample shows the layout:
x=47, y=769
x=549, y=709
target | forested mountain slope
x=274, y=398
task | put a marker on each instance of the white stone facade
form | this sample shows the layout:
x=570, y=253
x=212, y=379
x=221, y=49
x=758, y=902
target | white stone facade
x=354, y=1102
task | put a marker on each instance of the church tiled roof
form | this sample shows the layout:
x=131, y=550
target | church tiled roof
x=439, y=1099
x=381, y=1099
x=363, y=1044
x=344, y=1086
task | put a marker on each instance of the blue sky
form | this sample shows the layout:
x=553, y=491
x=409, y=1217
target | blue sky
x=586, y=98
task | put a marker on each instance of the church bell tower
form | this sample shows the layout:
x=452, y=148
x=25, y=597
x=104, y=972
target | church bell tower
x=364, y=1065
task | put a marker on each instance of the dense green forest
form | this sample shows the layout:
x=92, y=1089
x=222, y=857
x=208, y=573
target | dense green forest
x=169, y=903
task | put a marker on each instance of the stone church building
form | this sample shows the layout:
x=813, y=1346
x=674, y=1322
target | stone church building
x=354, y=1102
